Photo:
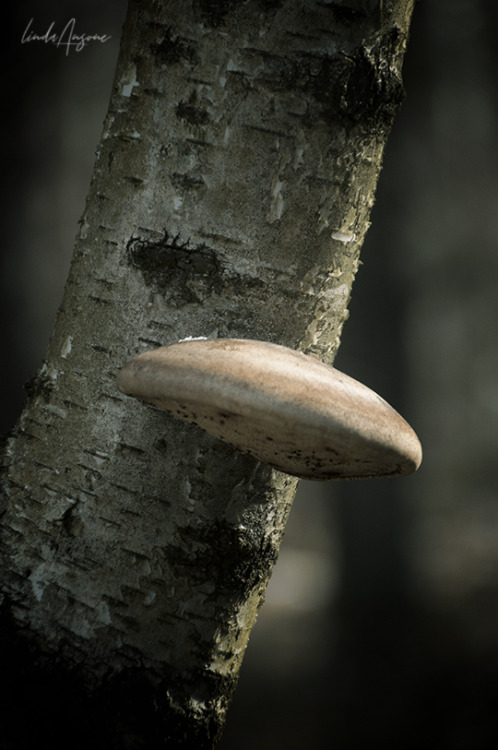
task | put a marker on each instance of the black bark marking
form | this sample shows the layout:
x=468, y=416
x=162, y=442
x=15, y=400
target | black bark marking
x=150, y=342
x=39, y=385
x=236, y=560
x=361, y=86
x=100, y=300
x=134, y=180
x=186, y=181
x=184, y=273
x=71, y=522
x=192, y=114
x=175, y=49
x=346, y=15
x=369, y=89
x=213, y=12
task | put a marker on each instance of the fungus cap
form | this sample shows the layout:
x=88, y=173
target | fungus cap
x=285, y=408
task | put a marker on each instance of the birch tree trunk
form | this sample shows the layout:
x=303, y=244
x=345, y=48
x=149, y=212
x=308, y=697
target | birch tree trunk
x=230, y=197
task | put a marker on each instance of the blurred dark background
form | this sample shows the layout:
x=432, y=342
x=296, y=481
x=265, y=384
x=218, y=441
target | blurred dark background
x=381, y=619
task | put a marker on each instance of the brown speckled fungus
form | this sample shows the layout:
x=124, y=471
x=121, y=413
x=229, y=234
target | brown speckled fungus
x=283, y=407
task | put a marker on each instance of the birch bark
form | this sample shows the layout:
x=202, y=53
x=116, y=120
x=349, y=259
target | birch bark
x=230, y=197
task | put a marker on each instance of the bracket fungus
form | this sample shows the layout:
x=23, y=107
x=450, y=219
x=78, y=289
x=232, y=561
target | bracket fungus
x=285, y=408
